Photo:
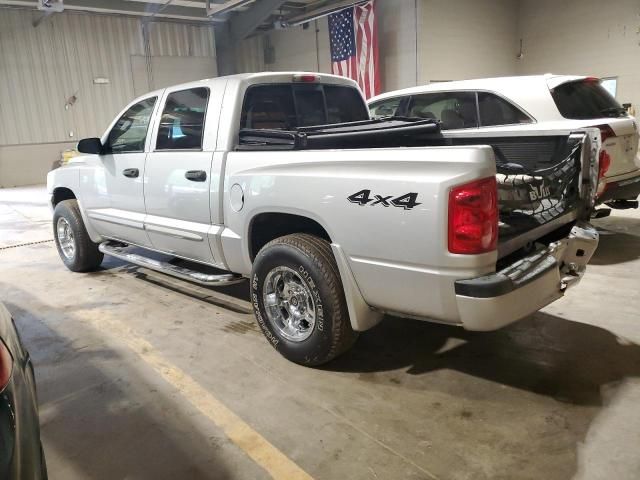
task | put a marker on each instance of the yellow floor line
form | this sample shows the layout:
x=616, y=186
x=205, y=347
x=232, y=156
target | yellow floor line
x=276, y=463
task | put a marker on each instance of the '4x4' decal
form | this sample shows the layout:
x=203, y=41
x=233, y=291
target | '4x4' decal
x=363, y=197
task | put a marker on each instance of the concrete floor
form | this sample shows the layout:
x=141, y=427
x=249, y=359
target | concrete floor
x=555, y=396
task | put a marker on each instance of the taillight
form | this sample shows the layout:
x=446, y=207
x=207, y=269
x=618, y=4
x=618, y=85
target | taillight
x=6, y=366
x=606, y=132
x=473, y=217
x=604, y=164
x=306, y=77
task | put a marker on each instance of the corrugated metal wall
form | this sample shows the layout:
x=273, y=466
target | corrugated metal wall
x=42, y=68
x=250, y=55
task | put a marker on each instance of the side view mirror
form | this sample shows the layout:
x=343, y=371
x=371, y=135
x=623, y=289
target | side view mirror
x=90, y=145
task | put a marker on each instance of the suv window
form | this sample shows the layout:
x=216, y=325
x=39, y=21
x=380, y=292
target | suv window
x=284, y=107
x=385, y=108
x=182, y=122
x=497, y=111
x=586, y=99
x=454, y=109
x=130, y=131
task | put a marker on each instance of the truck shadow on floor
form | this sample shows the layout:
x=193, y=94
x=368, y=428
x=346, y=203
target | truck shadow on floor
x=616, y=247
x=544, y=354
x=233, y=297
x=619, y=240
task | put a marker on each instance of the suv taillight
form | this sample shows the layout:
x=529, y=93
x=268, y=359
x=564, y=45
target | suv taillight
x=606, y=132
x=6, y=366
x=473, y=217
x=605, y=163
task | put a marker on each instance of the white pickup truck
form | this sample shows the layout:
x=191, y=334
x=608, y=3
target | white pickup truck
x=335, y=218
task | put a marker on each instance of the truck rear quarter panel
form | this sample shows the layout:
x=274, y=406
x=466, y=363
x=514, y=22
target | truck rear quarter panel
x=399, y=256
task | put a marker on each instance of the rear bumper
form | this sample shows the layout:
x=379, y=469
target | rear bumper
x=493, y=301
x=622, y=187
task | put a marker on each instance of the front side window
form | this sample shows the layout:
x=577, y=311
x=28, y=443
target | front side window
x=453, y=109
x=130, y=131
x=285, y=107
x=385, y=108
x=585, y=100
x=182, y=122
x=497, y=111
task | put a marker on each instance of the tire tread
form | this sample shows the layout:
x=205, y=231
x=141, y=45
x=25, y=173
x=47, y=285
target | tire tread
x=319, y=251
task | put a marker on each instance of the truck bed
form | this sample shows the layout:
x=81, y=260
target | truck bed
x=541, y=186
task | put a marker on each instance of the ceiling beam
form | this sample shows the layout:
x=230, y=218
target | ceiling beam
x=323, y=10
x=126, y=7
x=244, y=23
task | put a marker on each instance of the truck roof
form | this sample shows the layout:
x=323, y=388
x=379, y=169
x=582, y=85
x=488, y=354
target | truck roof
x=263, y=77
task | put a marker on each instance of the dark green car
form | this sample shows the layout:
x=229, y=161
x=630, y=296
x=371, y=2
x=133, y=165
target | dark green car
x=21, y=454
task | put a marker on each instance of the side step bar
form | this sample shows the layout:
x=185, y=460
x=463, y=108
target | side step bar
x=209, y=280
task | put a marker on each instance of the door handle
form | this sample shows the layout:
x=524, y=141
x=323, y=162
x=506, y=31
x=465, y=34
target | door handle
x=131, y=172
x=196, y=175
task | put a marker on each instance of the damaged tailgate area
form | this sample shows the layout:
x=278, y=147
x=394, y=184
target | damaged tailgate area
x=545, y=184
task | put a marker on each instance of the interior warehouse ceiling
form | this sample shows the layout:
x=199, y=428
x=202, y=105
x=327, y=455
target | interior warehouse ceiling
x=247, y=17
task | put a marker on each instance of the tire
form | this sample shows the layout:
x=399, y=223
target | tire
x=306, y=264
x=85, y=255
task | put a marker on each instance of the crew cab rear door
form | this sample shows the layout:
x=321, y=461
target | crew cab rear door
x=178, y=175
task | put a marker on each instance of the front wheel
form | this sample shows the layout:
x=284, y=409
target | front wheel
x=298, y=300
x=75, y=247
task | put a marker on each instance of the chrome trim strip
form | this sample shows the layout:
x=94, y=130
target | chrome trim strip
x=174, y=232
x=116, y=220
x=209, y=280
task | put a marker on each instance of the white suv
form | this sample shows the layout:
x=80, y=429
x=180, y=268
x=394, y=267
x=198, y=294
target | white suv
x=489, y=106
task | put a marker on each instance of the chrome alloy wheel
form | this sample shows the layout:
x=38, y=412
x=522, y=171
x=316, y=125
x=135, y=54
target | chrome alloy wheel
x=65, y=238
x=289, y=304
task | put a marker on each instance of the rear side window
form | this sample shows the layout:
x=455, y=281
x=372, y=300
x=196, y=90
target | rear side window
x=586, y=99
x=182, y=121
x=385, y=108
x=497, y=111
x=454, y=109
x=284, y=107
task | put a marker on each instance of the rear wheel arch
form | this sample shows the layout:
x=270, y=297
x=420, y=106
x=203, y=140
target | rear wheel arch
x=268, y=226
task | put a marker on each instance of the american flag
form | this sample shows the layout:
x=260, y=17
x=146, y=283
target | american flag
x=353, y=33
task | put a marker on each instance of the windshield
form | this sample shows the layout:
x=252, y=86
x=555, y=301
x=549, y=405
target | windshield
x=586, y=99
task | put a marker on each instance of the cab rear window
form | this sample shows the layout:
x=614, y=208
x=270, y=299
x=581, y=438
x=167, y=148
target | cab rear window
x=586, y=99
x=287, y=106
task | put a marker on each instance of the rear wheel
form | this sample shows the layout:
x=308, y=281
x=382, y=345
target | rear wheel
x=75, y=247
x=298, y=300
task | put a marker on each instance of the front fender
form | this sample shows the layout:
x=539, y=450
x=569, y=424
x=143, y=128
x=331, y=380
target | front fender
x=68, y=176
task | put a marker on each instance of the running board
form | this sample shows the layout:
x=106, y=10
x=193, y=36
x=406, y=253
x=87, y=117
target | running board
x=209, y=280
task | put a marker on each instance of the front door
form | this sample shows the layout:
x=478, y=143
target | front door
x=178, y=173
x=112, y=189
